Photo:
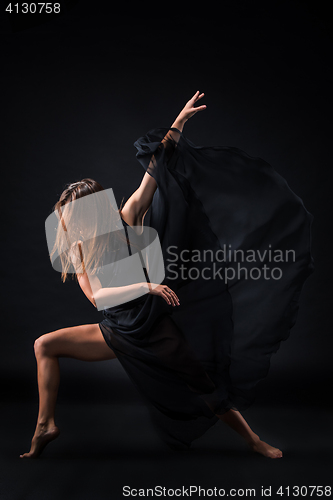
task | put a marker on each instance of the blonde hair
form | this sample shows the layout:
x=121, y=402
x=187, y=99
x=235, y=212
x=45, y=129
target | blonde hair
x=75, y=226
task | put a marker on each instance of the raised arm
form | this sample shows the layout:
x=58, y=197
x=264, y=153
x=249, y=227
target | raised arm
x=137, y=205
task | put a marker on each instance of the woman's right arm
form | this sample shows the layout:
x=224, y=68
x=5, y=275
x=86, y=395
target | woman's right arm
x=110, y=296
x=92, y=287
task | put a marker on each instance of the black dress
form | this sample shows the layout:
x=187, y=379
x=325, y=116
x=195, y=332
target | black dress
x=236, y=247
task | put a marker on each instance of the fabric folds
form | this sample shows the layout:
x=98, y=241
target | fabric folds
x=236, y=247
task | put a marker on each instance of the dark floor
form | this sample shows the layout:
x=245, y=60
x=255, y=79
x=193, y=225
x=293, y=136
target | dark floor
x=103, y=447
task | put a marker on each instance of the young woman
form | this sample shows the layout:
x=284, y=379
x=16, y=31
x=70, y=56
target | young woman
x=195, y=346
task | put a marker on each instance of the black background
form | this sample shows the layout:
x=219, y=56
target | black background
x=77, y=90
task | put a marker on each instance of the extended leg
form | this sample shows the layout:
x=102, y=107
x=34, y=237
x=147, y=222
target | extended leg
x=238, y=423
x=83, y=342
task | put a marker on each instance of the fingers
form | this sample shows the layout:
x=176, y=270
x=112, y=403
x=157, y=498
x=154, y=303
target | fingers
x=190, y=105
x=165, y=296
x=200, y=108
x=170, y=297
x=174, y=299
x=197, y=96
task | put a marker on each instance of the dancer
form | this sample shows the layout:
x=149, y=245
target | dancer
x=196, y=348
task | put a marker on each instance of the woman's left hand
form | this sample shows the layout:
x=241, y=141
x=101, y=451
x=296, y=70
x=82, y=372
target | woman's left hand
x=189, y=109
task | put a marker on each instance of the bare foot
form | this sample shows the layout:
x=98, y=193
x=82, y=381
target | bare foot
x=265, y=449
x=43, y=435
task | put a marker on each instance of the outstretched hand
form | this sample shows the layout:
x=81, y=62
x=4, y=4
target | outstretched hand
x=189, y=109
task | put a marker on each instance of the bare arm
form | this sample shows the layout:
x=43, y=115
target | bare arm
x=109, y=296
x=84, y=283
x=93, y=290
x=106, y=297
x=138, y=204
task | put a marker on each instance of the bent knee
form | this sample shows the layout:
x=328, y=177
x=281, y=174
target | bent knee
x=42, y=346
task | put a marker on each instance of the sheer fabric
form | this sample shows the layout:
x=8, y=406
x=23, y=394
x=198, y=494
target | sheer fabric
x=198, y=360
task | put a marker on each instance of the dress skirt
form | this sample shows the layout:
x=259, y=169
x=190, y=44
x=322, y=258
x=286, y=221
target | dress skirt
x=236, y=247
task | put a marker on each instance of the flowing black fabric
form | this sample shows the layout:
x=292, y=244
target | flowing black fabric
x=194, y=361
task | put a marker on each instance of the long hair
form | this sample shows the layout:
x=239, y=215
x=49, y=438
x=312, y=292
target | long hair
x=91, y=226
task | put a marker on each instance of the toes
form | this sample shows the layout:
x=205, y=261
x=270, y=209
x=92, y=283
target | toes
x=267, y=450
x=277, y=454
x=39, y=441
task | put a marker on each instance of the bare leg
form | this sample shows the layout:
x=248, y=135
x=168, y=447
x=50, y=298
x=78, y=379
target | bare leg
x=237, y=422
x=83, y=342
